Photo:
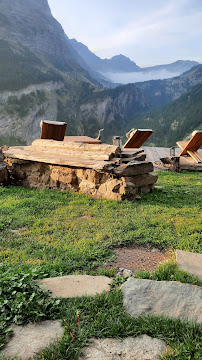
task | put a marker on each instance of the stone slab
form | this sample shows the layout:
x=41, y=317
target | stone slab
x=190, y=262
x=170, y=298
x=139, y=348
x=76, y=285
x=32, y=338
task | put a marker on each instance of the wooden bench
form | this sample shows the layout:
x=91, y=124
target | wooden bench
x=190, y=147
x=136, y=138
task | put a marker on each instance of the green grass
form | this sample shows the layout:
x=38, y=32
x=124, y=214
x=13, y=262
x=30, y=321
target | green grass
x=66, y=232
x=46, y=232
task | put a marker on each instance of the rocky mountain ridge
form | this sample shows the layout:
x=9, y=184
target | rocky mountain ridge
x=122, y=64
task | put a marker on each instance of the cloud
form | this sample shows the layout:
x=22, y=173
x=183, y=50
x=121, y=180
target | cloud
x=126, y=78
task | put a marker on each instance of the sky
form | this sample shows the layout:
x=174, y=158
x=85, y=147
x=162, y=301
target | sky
x=149, y=32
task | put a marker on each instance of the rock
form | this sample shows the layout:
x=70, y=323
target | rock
x=145, y=189
x=134, y=168
x=140, y=348
x=76, y=285
x=190, y=262
x=117, y=189
x=125, y=272
x=3, y=173
x=32, y=338
x=169, y=298
x=143, y=179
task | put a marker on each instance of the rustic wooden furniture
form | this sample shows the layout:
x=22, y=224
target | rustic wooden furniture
x=53, y=130
x=192, y=146
x=137, y=138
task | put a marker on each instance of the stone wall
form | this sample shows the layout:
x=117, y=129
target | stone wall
x=40, y=175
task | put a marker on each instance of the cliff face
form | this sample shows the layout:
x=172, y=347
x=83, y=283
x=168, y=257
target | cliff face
x=30, y=23
x=22, y=111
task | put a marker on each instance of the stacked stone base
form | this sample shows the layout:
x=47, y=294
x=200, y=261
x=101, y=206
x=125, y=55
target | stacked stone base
x=106, y=185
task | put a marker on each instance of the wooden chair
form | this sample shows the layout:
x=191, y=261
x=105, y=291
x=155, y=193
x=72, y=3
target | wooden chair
x=53, y=130
x=190, y=147
x=136, y=138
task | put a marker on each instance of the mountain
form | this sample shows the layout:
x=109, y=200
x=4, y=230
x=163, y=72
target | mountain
x=30, y=24
x=41, y=79
x=179, y=66
x=161, y=92
x=120, y=69
x=174, y=121
x=118, y=63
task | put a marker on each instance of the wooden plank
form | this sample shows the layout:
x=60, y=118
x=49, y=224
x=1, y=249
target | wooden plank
x=102, y=148
x=195, y=155
x=49, y=158
x=187, y=163
x=138, y=138
x=71, y=153
x=130, y=152
x=82, y=139
x=133, y=168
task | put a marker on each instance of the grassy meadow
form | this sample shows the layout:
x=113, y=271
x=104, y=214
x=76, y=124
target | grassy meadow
x=50, y=233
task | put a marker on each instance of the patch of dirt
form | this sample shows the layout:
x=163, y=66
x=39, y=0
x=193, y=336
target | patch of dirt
x=138, y=258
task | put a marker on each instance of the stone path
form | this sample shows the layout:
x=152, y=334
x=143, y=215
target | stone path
x=76, y=285
x=170, y=298
x=141, y=297
x=190, y=262
x=32, y=338
x=139, y=348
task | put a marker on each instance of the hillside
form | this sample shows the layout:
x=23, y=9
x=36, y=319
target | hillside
x=161, y=92
x=174, y=121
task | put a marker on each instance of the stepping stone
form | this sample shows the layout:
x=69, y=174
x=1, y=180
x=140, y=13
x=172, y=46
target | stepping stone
x=190, y=262
x=76, y=285
x=171, y=298
x=32, y=338
x=139, y=348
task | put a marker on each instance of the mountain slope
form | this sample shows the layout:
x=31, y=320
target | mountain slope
x=178, y=66
x=31, y=24
x=174, y=121
x=118, y=63
x=161, y=92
